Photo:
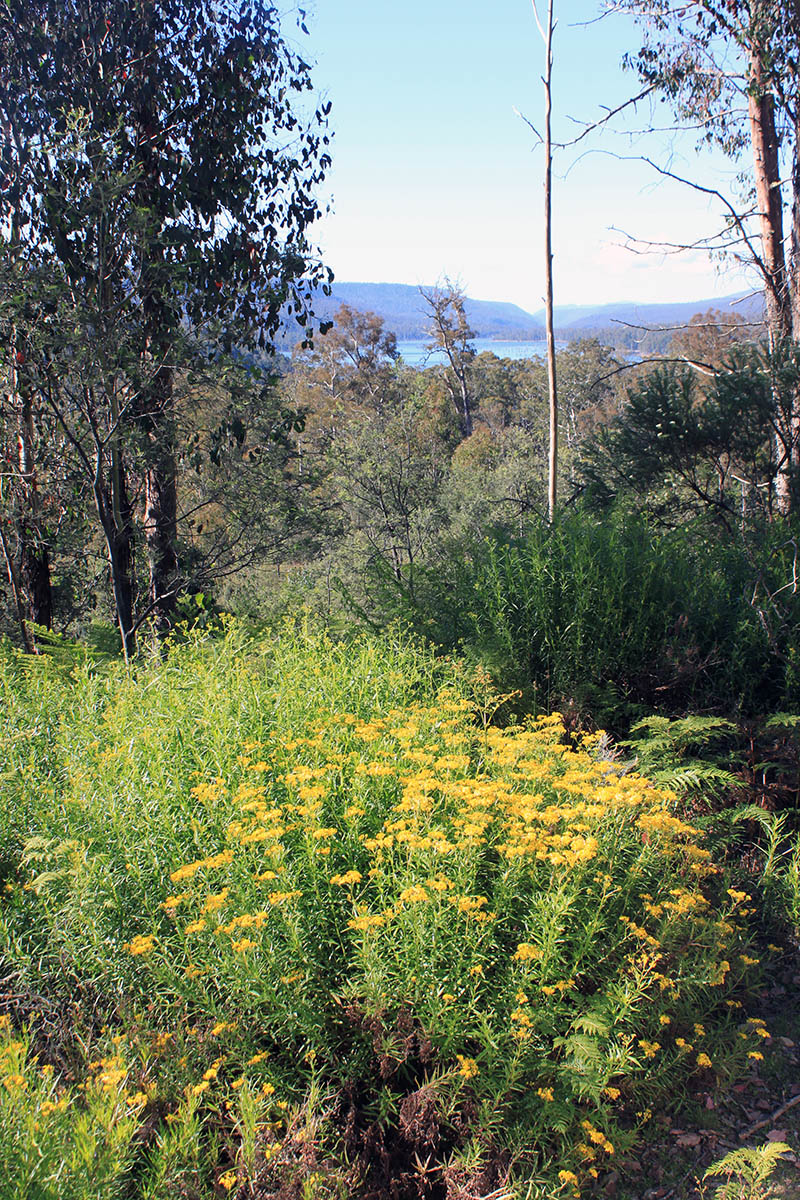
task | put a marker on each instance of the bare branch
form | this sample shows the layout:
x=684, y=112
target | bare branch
x=608, y=117
x=538, y=21
x=530, y=124
x=738, y=219
x=689, y=325
x=712, y=242
x=703, y=368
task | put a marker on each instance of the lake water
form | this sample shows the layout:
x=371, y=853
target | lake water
x=417, y=354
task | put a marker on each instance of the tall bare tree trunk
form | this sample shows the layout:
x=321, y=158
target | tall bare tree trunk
x=552, y=389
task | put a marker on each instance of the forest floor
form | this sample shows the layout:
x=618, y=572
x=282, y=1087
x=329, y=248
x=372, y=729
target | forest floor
x=762, y=1107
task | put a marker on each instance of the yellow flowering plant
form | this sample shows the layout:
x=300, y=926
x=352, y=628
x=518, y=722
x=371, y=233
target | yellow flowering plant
x=56, y=1139
x=313, y=869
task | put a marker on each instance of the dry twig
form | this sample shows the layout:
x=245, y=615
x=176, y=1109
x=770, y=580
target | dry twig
x=784, y=1108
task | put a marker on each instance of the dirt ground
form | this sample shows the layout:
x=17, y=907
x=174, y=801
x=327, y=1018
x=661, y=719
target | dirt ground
x=763, y=1107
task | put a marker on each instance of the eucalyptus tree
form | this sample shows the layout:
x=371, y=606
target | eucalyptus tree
x=730, y=70
x=202, y=153
x=451, y=333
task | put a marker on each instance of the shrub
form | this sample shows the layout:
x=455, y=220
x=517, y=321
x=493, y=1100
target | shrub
x=616, y=619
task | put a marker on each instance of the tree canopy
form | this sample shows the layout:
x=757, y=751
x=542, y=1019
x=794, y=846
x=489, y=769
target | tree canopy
x=161, y=163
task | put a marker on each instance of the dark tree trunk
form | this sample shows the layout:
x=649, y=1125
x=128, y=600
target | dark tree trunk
x=161, y=500
x=161, y=324
x=121, y=560
x=160, y=531
x=466, y=406
x=16, y=591
x=34, y=573
x=114, y=512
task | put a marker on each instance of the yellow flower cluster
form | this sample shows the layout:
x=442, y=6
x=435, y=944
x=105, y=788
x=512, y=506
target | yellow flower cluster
x=525, y=952
x=596, y=1137
x=347, y=878
x=470, y=856
x=208, y=794
x=190, y=869
x=141, y=944
x=468, y=1068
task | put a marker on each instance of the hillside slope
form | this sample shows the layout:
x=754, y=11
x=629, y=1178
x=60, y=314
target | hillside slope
x=404, y=311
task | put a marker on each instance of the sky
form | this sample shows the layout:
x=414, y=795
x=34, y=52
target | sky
x=435, y=174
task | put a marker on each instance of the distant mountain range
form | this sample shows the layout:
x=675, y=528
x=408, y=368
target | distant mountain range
x=404, y=312
x=583, y=320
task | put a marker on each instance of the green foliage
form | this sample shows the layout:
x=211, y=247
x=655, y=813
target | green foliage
x=182, y=100
x=686, y=754
x=679, y=449
x=747, y=1170
x=614, y=619
x=59, y=1142
x=165, y=165
x=777, y=841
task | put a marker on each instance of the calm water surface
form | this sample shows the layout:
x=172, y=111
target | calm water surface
x=417, y=354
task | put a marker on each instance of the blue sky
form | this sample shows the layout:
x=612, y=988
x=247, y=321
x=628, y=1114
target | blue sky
x=434, y=173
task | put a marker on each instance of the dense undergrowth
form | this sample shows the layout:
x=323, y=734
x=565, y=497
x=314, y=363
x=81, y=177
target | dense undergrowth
x=614, y=618
x=283, y=917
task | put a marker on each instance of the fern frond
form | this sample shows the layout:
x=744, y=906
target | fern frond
x=752, y=1164
x=769, y=822
x=592, y=1022
x=661, y=733
x=696, y=777
x=783, y=721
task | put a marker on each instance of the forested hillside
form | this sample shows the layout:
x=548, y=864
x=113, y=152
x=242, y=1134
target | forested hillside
x=400, y=796
x=627, y=326
x=405, y=313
